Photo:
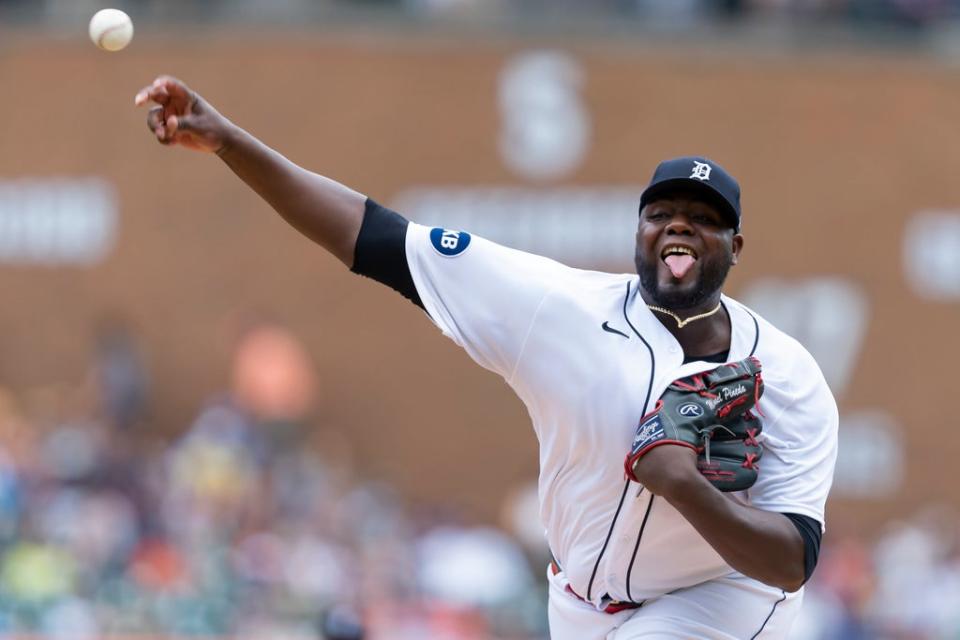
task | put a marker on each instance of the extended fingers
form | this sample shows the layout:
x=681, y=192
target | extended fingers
x=180, y=123
x=152, y=93
x=162, y=90
x=161, y=128
x=155, y=120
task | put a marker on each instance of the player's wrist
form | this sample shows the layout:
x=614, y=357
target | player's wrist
x=229, y=139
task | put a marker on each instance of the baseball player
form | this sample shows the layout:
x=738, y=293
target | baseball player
x=687, y=446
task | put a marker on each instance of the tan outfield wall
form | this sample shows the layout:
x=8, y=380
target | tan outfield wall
x=835, y=153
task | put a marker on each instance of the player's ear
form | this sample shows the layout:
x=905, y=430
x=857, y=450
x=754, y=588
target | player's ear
x=737, y=241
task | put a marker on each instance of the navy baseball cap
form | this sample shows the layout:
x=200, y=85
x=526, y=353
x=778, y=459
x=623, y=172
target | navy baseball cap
x=701, y=176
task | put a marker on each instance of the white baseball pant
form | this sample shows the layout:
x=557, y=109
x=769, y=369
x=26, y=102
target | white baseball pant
x=733, y=607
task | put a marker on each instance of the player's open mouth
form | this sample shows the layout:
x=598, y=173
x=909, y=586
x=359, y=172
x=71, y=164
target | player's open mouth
x=679, y=258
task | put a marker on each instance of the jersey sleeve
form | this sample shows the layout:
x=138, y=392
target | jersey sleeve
x=800, y=445
x=482, y=295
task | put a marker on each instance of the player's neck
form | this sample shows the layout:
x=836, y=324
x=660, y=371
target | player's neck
x=702, y=338
x=701, y=331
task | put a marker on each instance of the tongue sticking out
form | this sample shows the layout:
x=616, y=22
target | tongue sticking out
x=679, y=264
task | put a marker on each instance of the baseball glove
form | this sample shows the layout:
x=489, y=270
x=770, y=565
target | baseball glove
x=714, y=413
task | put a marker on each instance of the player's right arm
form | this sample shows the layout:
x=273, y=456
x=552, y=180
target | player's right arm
x=324, y=210
x=485, y=298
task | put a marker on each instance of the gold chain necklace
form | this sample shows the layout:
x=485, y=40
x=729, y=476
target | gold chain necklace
x=682, y=323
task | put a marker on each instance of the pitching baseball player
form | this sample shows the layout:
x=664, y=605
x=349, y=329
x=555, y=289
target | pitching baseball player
x=687, y=446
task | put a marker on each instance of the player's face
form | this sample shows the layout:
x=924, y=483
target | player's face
x=685, y=248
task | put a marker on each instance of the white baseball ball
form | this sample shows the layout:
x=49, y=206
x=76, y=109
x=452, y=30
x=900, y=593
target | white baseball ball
x=111, y=29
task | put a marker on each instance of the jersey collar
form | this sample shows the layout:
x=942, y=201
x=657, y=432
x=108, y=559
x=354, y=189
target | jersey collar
x=743, y=326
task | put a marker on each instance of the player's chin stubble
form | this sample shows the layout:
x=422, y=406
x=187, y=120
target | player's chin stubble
x=713, y=273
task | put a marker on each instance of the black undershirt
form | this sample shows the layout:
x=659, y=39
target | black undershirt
x=719, y=358
x=810, y=532
x=380, y=253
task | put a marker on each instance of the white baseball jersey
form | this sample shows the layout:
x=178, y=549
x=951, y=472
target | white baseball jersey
x=588, y=358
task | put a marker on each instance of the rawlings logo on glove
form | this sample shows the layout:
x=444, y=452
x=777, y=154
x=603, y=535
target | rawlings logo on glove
x=711, y=413
x=647, y=433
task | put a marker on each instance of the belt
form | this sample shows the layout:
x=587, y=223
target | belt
x=614, y=606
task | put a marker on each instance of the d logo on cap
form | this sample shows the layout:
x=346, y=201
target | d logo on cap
x=701, y=170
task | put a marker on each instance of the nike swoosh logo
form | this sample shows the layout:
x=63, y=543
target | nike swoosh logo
x=606, y=327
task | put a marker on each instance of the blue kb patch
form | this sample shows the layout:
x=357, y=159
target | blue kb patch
x=449, y=243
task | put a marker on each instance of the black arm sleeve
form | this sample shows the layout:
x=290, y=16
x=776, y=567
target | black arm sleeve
x=381, y=251
x=810, y=532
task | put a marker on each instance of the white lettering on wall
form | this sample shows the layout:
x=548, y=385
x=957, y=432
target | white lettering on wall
x=56, y=221
x=870, y=462
x=828, y=315
x=931, y=254
x=587, y=227
x=545, y=128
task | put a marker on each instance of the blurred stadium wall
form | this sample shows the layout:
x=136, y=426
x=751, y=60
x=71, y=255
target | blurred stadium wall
x=852, y=222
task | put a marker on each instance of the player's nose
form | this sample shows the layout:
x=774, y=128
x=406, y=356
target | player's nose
x=679, y=225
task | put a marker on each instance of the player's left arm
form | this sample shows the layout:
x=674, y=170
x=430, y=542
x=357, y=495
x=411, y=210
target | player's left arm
x=776, y=537
x=764, y=545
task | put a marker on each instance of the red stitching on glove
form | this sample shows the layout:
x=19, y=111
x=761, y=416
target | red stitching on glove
x=757, y=385
x=684, y=385
x=727, y=408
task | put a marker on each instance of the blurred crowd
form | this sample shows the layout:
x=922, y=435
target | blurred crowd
x=902, y=585
x=250, y=523
x=692, y=12
x=906, y=13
